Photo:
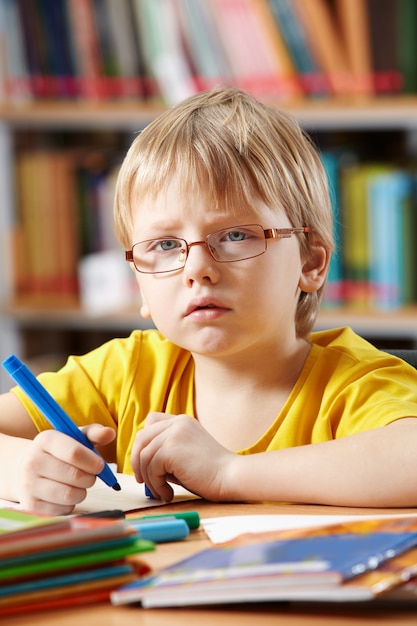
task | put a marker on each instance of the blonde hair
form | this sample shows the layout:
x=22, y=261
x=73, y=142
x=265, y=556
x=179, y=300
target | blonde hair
x=237, y=149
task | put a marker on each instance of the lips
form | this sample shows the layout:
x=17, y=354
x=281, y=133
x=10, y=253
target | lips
x=205, y=306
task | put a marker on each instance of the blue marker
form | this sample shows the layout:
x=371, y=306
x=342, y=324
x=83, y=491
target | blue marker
x=162, y=529
x=55, y=415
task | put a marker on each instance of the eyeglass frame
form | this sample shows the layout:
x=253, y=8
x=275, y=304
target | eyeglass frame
x=269, y=233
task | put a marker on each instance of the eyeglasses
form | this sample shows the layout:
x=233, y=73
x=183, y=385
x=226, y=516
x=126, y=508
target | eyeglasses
x=169, y=254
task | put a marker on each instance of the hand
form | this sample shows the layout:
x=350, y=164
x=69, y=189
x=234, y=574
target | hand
x=57, y=471
x=176, y=448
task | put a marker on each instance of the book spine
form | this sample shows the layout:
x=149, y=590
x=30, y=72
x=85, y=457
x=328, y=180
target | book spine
x=311, y=77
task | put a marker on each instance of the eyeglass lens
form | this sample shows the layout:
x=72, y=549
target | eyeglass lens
x=170, y=253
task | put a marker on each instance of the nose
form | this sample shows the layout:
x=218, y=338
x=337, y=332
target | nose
x=200, y=265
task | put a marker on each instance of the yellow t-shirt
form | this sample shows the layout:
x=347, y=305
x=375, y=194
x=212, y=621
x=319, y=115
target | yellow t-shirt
x=346, y=386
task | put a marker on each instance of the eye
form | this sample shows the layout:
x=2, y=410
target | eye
x=236, y=235
x=169, y=244
x=165, y=245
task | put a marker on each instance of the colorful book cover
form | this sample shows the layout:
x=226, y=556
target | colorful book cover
x=70, y=558
x=353, y=20
x=333, y=290
x=388, y=197
x=311, y=76
x=20, y=524
x=355, y=227
x=309, y=565
x=25, y=534
x=323, y=36
x=203, y=43
x=384, y=35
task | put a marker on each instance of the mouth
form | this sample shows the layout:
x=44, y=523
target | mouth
x=196, y=307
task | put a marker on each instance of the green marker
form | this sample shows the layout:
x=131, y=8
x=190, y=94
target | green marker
x=192, y=518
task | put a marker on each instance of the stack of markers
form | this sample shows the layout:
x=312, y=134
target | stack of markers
x=162, y=528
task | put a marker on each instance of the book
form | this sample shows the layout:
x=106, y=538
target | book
x=48, y=220
x=383, y=36
x=306, y=565
x=243, y=41
x=406, y=39
x=388, y=196
x=51, y=558
x=126, y=51
x=355, y=227
x=164, y=53
x=16, y=80
x=59, y=67
x=286, y=84
x=353, y=21
x=85, y=44
x=321, y=30
x=203, y=42
x=82, y=587
x=34, y=48
x=312, y=79
x=333, y=290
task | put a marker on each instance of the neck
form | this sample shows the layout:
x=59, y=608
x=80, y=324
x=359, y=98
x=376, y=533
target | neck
x=279, y=366
x=237, y=402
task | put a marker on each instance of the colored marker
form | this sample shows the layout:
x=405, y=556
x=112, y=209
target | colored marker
x=55, y=415
x=148, y=493
x=161, y=530
x=192, y=518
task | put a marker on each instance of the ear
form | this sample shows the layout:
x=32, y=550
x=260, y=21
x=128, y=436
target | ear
x=314, y=270
x=144, y=309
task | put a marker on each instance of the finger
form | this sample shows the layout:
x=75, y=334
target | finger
x=144, y=437
x=152, y=469
x=98, y=435
x=63, y=447
x=52, y=498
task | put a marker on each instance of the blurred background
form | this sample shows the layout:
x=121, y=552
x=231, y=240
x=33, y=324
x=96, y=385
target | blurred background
x=79, y=79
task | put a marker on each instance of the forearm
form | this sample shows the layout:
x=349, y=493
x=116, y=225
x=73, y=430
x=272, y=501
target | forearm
x=377, y=468
x=12, y=452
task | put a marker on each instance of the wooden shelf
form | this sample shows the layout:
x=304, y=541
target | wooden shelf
x=74, y=318
x=326, y=114
x=401, y=324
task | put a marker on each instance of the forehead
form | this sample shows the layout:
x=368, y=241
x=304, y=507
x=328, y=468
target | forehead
x=179, y=200
x=195, y=214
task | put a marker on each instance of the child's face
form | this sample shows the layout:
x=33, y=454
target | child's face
x=214, y=308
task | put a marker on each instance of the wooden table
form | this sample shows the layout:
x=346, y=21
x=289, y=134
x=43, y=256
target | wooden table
x=248, y=615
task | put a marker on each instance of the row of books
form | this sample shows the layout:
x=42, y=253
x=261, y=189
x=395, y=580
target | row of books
x=135, y=49
x=375, y=209
x=65, y=213
x=52, y=562
x=64, y=230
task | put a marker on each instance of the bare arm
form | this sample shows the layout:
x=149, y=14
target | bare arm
x=377, y=468
x=16, y=432
x=46, y=472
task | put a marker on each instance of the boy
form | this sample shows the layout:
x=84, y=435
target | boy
x=223, y=209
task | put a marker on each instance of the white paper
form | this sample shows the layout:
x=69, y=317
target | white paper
x=221, y=529
x=132, y=496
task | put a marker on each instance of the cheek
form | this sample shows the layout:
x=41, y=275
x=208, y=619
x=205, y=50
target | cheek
x=157, y=298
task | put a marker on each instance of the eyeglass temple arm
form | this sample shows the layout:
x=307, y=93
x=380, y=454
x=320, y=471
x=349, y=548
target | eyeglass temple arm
x=278, y=233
